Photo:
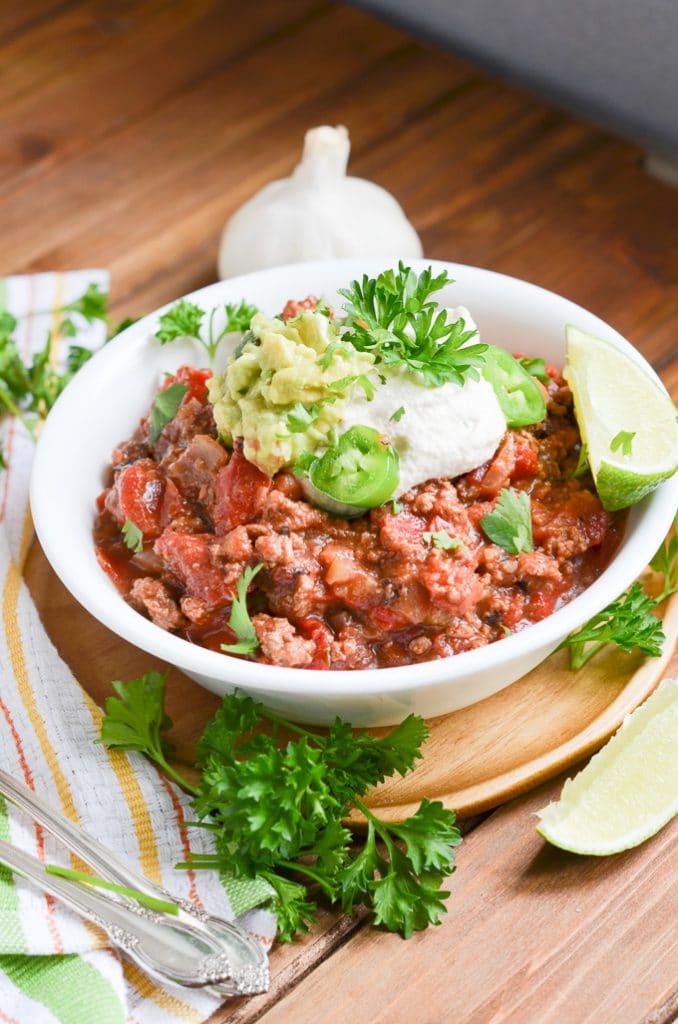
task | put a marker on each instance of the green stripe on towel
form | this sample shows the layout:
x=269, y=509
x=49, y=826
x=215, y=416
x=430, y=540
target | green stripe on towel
x=71, y=989
x=11, y=933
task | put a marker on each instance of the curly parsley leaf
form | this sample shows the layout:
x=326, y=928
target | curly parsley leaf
x=628, y=622
x=624, y=441
x=238, y=316
x=186, y=320
x=510, y=523
x=183, y=320
x=395, y=317
x=240, y=621
x=132, y=536
x=165, y=408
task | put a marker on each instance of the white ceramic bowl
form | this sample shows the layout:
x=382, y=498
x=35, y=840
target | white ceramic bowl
x=105, y=401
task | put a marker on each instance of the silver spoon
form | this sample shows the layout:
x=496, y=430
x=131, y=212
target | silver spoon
x=247, y=964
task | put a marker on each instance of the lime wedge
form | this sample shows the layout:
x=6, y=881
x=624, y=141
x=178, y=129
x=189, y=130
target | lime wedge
x=628, y=791
x=627, y=421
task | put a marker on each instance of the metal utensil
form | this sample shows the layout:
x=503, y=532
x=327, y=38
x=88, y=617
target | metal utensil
x=200, y=947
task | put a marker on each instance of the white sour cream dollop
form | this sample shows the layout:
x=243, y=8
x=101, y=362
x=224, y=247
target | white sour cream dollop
x=443, y=432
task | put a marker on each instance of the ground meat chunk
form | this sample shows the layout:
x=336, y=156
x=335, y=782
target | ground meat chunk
x=193, y=417
x=152, y=597
x=505, y=569
x=281, y=511
x=350, y=649
x=195, y=468
x=280, y=642
x=236, y=546
x=281, y=549
x=452, y=583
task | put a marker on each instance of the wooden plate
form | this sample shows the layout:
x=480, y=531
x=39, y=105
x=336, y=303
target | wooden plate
x=475, y=758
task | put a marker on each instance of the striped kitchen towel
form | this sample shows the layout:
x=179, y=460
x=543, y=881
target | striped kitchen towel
x=55, y=967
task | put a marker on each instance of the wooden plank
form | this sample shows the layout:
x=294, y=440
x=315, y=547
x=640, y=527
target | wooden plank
x=533, y=934
x=132, y=63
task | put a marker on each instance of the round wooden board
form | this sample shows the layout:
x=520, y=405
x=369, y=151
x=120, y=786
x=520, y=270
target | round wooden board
x=475, y=758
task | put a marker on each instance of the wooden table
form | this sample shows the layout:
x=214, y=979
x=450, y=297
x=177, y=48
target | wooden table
x=129, y=132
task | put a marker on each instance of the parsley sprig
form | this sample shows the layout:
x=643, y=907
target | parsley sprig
x=630, y=622
x=395, y=317
x=185, y=320
x=29, y=390
x=240, y=621
x=275, y=795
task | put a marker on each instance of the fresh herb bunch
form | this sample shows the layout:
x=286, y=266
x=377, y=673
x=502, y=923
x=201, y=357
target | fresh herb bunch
x=394, y=317
x=29, y=390
x=276, y=799
x=630, y=622
x=185, y=320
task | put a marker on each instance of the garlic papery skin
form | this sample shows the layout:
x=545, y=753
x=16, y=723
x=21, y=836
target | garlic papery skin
x=318, y=213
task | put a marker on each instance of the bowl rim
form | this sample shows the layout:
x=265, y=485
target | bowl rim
x=648, y=523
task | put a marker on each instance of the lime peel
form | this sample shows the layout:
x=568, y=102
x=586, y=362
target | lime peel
x=628, y=791
x=613, y=395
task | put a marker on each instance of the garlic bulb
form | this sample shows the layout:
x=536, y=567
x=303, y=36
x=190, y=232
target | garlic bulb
x=318, y=213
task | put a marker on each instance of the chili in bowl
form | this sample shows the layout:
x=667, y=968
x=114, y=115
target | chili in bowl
x=316, y=560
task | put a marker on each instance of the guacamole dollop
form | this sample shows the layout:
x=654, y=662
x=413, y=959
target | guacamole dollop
x=276, y=392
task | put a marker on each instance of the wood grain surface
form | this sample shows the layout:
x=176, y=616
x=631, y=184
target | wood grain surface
x=128, y=133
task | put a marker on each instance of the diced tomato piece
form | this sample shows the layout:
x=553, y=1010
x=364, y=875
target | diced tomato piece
x=240, y=492
x=172, y=503
x=194, y=380
x=387, y=618
x=543, y=600
x=499, y=472
x=188, y=557
x=293, y=307
x=315, y=630
x=402, y=533
x=526, y=462
x=140, y=489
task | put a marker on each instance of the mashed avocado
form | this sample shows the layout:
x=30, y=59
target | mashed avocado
x=276, y=390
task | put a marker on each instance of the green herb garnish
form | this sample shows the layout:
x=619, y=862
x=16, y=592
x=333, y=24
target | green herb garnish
x=623, y=440
x=240, y=621
x=274, y=795
x=628, y=622
x=132, y=536
x=394, y=317
x=665, y=561
x=361, y=379
x=185, y=320
x=510, y=523
x=442, y=540
x=165, y=408
x=535, y=367
x=582, y=462
x=398, y=414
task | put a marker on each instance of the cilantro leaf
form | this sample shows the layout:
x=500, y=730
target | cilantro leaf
x=183, y=320
x=398, y=414
x=442, y=540
x=627, y=622
x=582, y=462
x=510, y=523
x=165, y=408
x=240, y=621
x=623, y=440
x=301, y=417
x=536, y=367
x=394, y=317
x=238, y=316
x=132, y=536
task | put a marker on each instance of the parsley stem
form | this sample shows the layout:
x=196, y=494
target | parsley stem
x=305, y=869
x=173, y=774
